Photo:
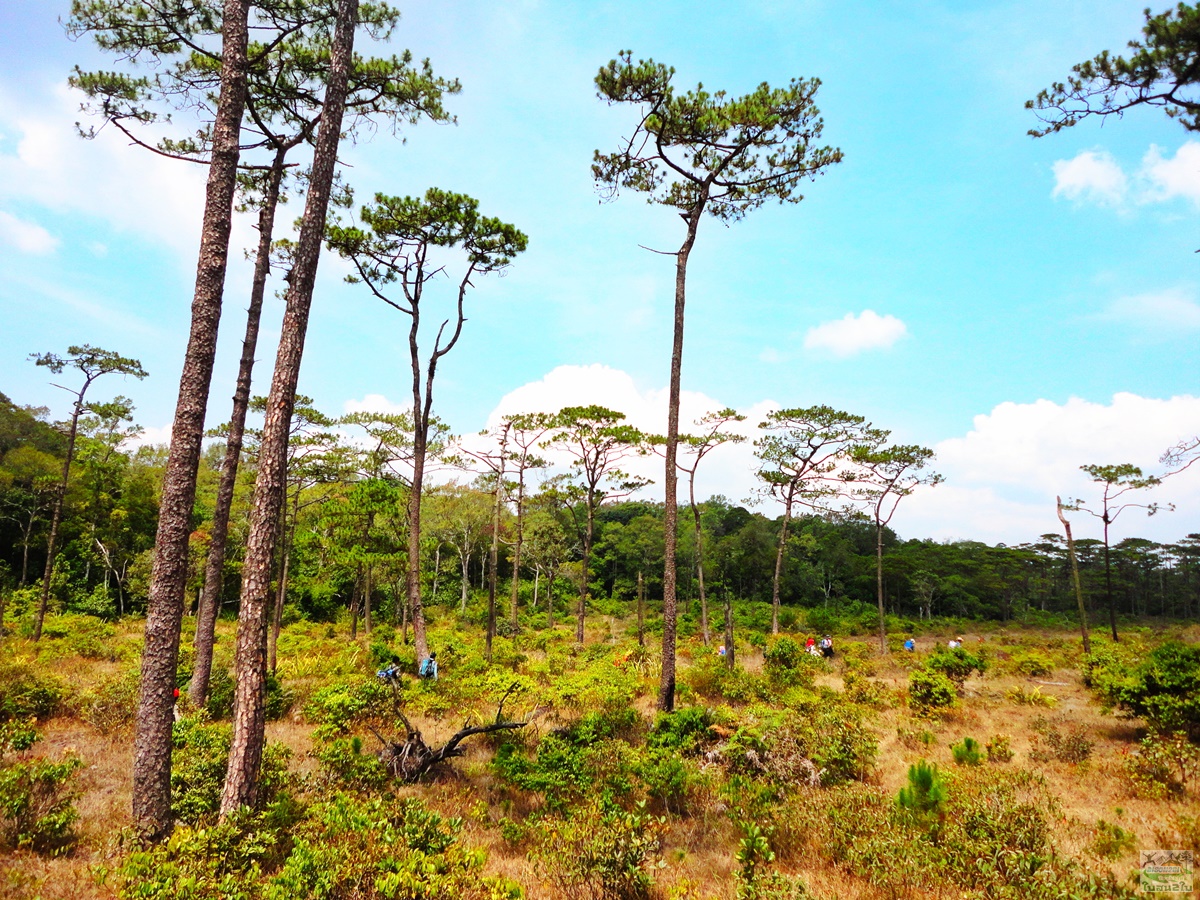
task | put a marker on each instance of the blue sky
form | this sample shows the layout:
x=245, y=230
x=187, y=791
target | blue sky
x=1025, y=306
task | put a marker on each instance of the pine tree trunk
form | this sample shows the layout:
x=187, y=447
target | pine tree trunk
x=879, y=585
x=160, y=656
x=584, y=586
x=1083, y=619
x=699, y=562
x=666, y=684
x=641, y=602
x=249, y=719
x=493, y=555
x=787, y=516
x=214, y=570
x=515, y=587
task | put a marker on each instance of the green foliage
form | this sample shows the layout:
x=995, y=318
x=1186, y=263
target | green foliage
x=111, y=706
x=344, y=766
x=957, y=664
x=199, y=760
x=755, y=880
x=26, y=693
x=348, y=849
x=929, y=691
x=601, y=855
x=334, y=709
x=1032, y=663
x=1163, y=766
x=1112, y=840
x=784, y=661
x=925, y=797
x=967, y=752
x=685, y=730
x=36, y=795
x=221, y=690
x=1024, y=696
x=710, y=679
x=1163, y=688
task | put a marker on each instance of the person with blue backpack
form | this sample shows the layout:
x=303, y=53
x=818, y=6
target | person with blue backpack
x=429, y=668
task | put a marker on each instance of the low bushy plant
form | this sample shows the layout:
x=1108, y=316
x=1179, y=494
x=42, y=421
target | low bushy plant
x=1163, y=766
x=1111, y=840
x=111, y=706
x=1032, y=663
x=1163, y=688
x=956, y=663
x=26, y=693
x=967, y=752
x=37, y=796
x=999, y=749
x=601, y=855
x=1069, y=744
x=930, y=691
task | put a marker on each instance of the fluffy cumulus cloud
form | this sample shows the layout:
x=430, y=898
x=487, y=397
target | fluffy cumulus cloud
x=28, y=237
x=44, y=163
x=1092, y=176
x=1003, y=475
x=853, y=334
x=1173, y=311
x=1177, y=176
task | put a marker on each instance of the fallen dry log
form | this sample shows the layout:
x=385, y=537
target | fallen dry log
x=411, y=758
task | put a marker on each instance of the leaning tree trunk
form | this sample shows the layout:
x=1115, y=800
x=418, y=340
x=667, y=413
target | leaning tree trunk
x=214, y=570
x=56, y=518
x=1083, y=620
x=666, y=683
x=249, y=716
x=160, y=656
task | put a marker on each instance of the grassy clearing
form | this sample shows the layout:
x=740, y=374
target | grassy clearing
x=597, y=798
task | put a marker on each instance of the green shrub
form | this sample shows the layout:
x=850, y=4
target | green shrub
x=25, y=693
x=336, y=708
x=1030, y=696
x=198, y=764
x=925, y=797
x=221, y=691
x=784, y=661
x=1112, y=840
x=1032, y=663
x=112, y=705
x=1070, y=745
x=685, y=730
x=1163, y=766
x=610, y=855
x=930, y=690
x=37, y=802
x=957, y=664
x=346, y=767
x=348, y=849
x=1163, y=688
x=967, y=752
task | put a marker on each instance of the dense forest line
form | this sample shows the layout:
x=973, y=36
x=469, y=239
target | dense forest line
x=345, y=542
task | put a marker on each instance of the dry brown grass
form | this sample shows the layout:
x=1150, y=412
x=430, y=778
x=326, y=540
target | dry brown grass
x=699, y=850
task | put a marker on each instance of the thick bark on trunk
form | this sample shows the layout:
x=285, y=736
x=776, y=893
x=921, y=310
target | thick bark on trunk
x=56, y=517
x=666, y=684
x=249, y=720
x=152, y=745
x=214, y=570
x=281, y=590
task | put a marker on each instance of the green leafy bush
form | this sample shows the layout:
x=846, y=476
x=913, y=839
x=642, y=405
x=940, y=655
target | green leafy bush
x=1163, y=766
x=1069, y=745
x=967, y=752
x=685, y=730
x=348, y=849
x=957, y=664
x=930, y=690
x=221, y=691
x=111, y=706
x=784, y=661
x=924, y=799
x=1112, y=840
x=1032, y=663
x=346, y=767
x=1163, y=688
x=26, y=693
x=999, y=749
x=605, y=855
x=37, y=796
x=198, y=763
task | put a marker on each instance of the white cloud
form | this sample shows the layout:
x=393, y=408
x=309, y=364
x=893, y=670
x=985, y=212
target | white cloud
x=1175, y=177
x=43, y=161
x=1003, y=475
x=1093, y=176
x=1174, y=310
x=28, y=237
x=852, y=334
x=376, y=403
